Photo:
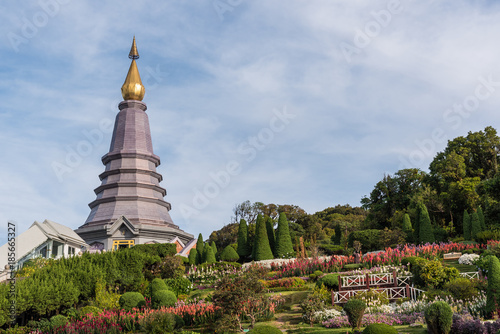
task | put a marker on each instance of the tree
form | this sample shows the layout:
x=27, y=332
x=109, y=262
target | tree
x=206, y=249
x=284, y=245
x=475, y=226
x=247, y=211
x=261, y=248
x=214, y=248
x=200, y=245
x=243, y=246
x=338, y=234
x=426, y=235
x=193, y=256
x=210, y=255
x=493, y=290
x=229, y=254
x=407, y=229
x=467, y=226
x=481, y=219
x=270, y=234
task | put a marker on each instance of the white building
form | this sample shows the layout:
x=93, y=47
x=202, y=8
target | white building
x=47, y=239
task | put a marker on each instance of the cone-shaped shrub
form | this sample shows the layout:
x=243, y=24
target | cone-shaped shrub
x=493, y=290
x=482, y=222
x=439, y=318
x=466, y=225
x=261, y=247
x=475, y=226
x=214, y=248
x=407, y=229
x=193, y=256
x=210, y=256
x=426, y=235
x=270, y=234
x=243, y=247
x=129, y=300
x=284, y=245
x=229, y=254
x=200, y=245
x=355, y=308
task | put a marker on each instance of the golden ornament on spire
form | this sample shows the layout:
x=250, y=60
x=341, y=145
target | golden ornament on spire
x=132, y=88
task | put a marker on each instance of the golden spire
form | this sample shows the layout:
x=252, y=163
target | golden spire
x=132, y=88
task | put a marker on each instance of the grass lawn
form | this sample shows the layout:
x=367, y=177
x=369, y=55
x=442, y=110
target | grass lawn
x=463, y=268
x=323, y=330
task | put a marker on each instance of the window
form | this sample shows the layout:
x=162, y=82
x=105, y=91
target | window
x=71, y=251
x=118, y=244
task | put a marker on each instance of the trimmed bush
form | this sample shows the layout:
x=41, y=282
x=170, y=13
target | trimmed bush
x=475, y=226
x=58, y=321
x=493, y=290
x=270, y=234
x=466, y=225
x=353, y=266
x=160, y=322
x=179, y=285
x=129, y=300
x=265, y=329
x=330, y=281
x=318, y=273
x=261, y=248
x=89, y=310
x=284, y=245
x=229, y=254
x=410, y=260
x=193, y=256
x=209, y=255
x=439, y=318
x=165, y=298
x=243, y=246
x=355, y=308
x=329, y=249
x=425, y=234
x=380, y=329
x=370, y=239
x=461, y=289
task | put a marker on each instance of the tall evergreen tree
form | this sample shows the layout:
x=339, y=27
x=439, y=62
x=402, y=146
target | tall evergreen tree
x=338, y=234
x=426, y=234
x=407, y=229
x=493, y=290
x=206, y=249
x=467, y=225
x=214, y=248
x=261, y=248
x=270, y=234
x=243, y=247
x=416, y=226
x=475, y=226
x=481, y=218
x=209, y=255
x=200, y=245
x=284, y=245
x=193, y=256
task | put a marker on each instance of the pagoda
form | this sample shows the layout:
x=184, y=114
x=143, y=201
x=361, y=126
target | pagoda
x=130, y=208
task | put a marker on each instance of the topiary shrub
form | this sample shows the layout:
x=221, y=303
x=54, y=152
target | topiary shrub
x=163, y=298
x=331, y=281
x=462, y=289
x=180, y=285
x=229, y=254
x=265, y=329
x=410, y=260
x=88, y=310
x=129, y=300
x=380, y=329
x=318, y=273
x=58, y=321
x=439, y=318
x=157, y=285
x=355, y=308
x=353, y=266
x=160, y=322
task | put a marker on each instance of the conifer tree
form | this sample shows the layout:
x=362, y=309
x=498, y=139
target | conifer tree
x=284, y=245
x=493, y=290
x=416, y=226
x=426, y=234
x=243, y=247
x=475, y=226
x=261, y=248
x=229, y=254
x=481, y=219
x=193, y=256
x=205, y=252
x=338, y=235
x=467, y=225
x=214, y=248
x=270, y=234
x=407, y=226
x=209, y=255
x=200, y=245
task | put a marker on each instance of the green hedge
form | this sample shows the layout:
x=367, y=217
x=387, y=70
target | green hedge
x=129, y=300
x=165, y=298
x=380, y=329
x=438, y=317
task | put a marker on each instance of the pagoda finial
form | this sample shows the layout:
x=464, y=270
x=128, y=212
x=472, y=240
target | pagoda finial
x=132, y=88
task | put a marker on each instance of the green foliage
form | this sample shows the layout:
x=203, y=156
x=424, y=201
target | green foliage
x=229, y=254
x=482, y=222
x=380, y=329
x=284, y=245
x=407, y=228
x=475, y=226
x=157, y=285
x=270, y=234
x=243, y=246
x=214, y=248
x=425, y=234
x=370, y=239
x=372, y=298
x=438, y=317
x=493, y=290
x=200, y=245
x=483, y=236
x=323, y=293
x=89, y=310
x=58, y=321
x=209, y=255
x=193, y=256
x=462, y=289
x=105, y=298
x=355, y=308
x=467, y=225
x=170, y=267
x=160, y=250
x=338, y=234
x=161, y=298
x=432, y=274
x=311, y=305
x=261, y=247
x=265, y=329
x=331, y=249
x=179, y=285
x=330, y=281
x=161, y=322
x=129, y=300
x=353, y=266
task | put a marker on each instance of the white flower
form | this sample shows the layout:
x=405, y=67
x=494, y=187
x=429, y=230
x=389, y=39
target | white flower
x=468, y=259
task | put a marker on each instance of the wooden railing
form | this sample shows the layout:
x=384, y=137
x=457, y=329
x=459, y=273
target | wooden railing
x=392, y=293
x=470, y=275
x=367, y=281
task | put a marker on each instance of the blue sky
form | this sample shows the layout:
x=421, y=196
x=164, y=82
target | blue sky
x=287, y=102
